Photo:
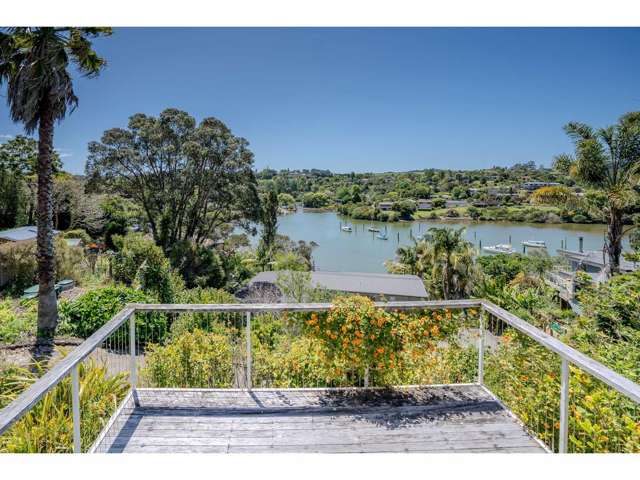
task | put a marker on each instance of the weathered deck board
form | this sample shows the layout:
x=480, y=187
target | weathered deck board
x=455, y=418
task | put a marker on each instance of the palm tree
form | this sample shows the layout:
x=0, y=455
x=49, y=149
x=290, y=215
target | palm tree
x=444, y=260
x=34, y=63
x=408, y=258
x=608, y=160
x=451, y=258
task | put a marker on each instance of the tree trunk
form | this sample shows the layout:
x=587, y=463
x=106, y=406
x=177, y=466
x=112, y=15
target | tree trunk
x=614, y=241
x=47, y=302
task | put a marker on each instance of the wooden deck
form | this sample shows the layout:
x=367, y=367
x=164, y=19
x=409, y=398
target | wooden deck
x=454, y=418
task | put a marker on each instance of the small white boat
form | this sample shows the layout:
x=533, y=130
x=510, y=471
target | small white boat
x=535, y=243
x=347, y=228
x=382, y=236
x=373, y=229
x=500, y=248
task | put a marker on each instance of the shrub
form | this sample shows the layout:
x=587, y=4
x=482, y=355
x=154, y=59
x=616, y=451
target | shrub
x=358, y=338
x=199, y=266
x=89, y=312
x=579, y=218
x=192, y=360
x=315, y=200
x=70, y=262
x=48, y=426
x=13, y=324
x=139, y=261
x=292, y=362
x=18, y=265
x=188, y=322
x=77, y=233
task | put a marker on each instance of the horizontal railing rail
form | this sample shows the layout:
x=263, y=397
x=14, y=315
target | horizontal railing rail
x=68, y=365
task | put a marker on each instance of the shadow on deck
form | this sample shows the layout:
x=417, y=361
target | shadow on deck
x=452, y=418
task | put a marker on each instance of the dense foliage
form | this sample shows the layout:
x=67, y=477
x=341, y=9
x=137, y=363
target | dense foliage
x=89, y=312
x=443, y=259
x=490, y=194
x=195, y=359
x=190, y=179
x=140, y=262
x=48, y=426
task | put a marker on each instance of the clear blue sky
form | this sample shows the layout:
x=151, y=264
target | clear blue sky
x=365, y=99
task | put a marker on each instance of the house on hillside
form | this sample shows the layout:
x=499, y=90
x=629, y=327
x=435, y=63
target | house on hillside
x=377, y=286
x=532, y=186
x=456, y=203
x=385, y=206
x=424, y=204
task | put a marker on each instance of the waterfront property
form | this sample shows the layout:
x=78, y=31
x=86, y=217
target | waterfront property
x=385, y=206
x=594, y=263
x=256, y=415
x=378, y=286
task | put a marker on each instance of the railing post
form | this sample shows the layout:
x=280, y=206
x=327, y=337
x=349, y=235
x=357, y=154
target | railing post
x=248, y=334
x=481, y=348
x=564, y=407
x=132, y=348
x=75, y=407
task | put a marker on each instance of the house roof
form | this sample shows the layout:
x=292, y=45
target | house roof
x=358, y=282
x=21, y=234
x=597, y=259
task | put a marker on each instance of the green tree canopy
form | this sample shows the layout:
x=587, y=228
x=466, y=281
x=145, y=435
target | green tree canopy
x=190, y=179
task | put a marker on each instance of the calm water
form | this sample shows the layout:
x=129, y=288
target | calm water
x=361, y=251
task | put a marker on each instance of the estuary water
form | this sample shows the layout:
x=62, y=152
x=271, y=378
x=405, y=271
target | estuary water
x=361, y=251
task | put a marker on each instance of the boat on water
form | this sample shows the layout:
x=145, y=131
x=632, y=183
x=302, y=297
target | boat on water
x=347, y=228
x=499, y=248
x=382, y=236
x=373, y=229
x=535, y=243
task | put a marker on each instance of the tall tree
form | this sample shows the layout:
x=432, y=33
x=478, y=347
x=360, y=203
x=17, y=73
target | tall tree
x=34, y=63
x=18, y=180
x=189, y=179
x=607, y=160
x=269, y=227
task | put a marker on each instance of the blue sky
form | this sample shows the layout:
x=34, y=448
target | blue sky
x=364, y=99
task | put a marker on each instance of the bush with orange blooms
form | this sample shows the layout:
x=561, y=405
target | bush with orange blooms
x=358, y=335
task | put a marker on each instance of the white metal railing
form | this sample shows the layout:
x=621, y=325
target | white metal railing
x=68, y=366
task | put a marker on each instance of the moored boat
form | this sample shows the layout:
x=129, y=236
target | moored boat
x=499, y=248
x=347, y=228
x=535, y=243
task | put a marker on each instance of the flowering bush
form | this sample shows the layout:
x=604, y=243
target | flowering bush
x=357, y=337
